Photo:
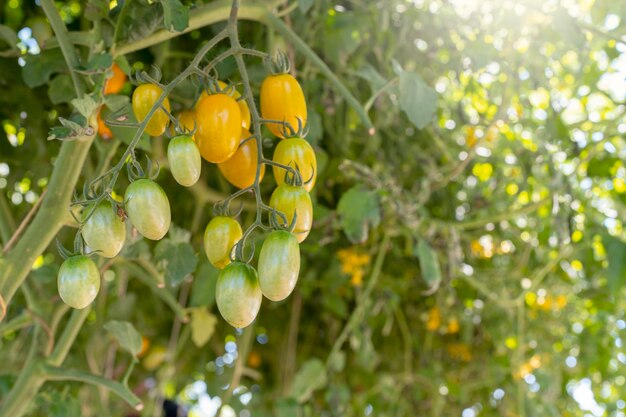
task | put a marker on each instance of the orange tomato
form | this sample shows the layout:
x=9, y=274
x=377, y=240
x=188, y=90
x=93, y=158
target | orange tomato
x=219, y=127
x=243, y=105
x=103, y=130
x=240, y=169
x=115, y=84
x=282, y=100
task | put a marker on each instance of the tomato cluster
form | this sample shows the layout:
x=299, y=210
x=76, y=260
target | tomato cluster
x=216, y=129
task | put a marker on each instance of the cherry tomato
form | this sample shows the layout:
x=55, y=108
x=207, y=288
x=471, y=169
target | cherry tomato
x=290, y=199
x=103, y=130
x=220, y=236
x=184, y=160
x=144, y=97
x=297, y=153
x=78, y=281
x=187, y=121
x=240, y=169
x=243, y=105
x=115, y=84
x=148, y=208
x=279, y=265
x=238, y=295
x=219, y=127
x=282, y=99
x=104, y=232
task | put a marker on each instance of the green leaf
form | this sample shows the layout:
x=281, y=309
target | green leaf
x=126, y=335
x=287, y=407
x=358, y=210
x=417, y=99
x=58, y=403
x=429, y=264
x=310, y=377
x=9, y=36
x=203, y=287
x=85, y=106
x=59, y=132
x=115, y=102
x=305, y=5
x=616, y=257
x=177, y=259
x=61, y=89
x=203, y=324
x=98, y=64
x=176, y=15
x=39, y=68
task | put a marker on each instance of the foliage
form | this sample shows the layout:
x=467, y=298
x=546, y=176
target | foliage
x=466, y=255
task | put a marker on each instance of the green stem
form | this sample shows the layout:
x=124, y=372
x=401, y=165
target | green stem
x=52, y=373
x=71, y=59
x=21, y=395
x=68, y=336
x=7, y=223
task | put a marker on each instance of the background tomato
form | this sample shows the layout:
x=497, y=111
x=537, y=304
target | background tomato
x=103, y=130
x=184, y=160
x=240, y=169
x=104, y=232
x=238, y=295
x=219, y=127
x=296, y=152
x=144, y=98
x=290, y=199
x=148, y=208
x=78, y=281
x=243, y=105
x=279, y=265
x=115, y=84
x=187, y=121
x=220, y=236
x=282, y=99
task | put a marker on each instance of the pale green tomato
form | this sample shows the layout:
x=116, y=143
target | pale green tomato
x=104, y=232
x=238, y=295
x=279, y=265
x=78, y=281
x=148, y=208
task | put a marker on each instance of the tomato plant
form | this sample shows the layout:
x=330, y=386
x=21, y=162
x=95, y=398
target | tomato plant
x=240, y=169
x=279, y=265
x=282, y=101
x=220, y=236
x=78, y=281
x=237, y=294
x=298, y=154
x=103, y=230
x=184, y=160
x=148, y=208
x=144, y=98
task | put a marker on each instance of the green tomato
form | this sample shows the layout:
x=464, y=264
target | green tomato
x=78, y=281
x=279, y=265
x=238, y=295
x=104, y=232
x=291, y=199
x=148, y=208
x=221, y=234
x=184, y=159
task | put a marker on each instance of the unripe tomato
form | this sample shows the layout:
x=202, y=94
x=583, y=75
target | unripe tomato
x=219, y=127
x=279, y=265
x=115, y=84
x=220, y=236
x=78, y=281
x=184, y=160
x=144, y=97
x=290, y=199
x=243, y=105
x=103, y=130
x=240, y=169
x=148, y=208
x=297, y=153
x=238, y=295
x=282, y=99
x=104, y=232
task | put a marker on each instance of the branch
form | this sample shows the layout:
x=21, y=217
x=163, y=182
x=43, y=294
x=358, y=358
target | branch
x=7, y=223
x=52, y=373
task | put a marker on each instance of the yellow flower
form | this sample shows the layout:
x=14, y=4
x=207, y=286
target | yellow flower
x=459, y=351
x=434, y=319
x=352, y=264
x=453, y=326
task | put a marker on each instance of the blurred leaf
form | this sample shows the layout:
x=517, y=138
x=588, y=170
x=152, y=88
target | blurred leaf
x=372, y=76
x=61, y=89
x=98, y=64
x=305, y=5
x=417, y=99
x=58, y=403
x=359, y=210
x=616, y=256
x=203, y=324
x=39, y=68
x=9, y=36
x=602, y=166
x=116, y=102
x=177, y=259
x=203, y=287
x=429, y=264
x=124, y=332
x=287, y=407
x=85, y=105
x=310, y=377
x=175, y=14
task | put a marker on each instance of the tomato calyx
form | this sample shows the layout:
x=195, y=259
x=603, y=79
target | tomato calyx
x=136, y=171
x=279, y=64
